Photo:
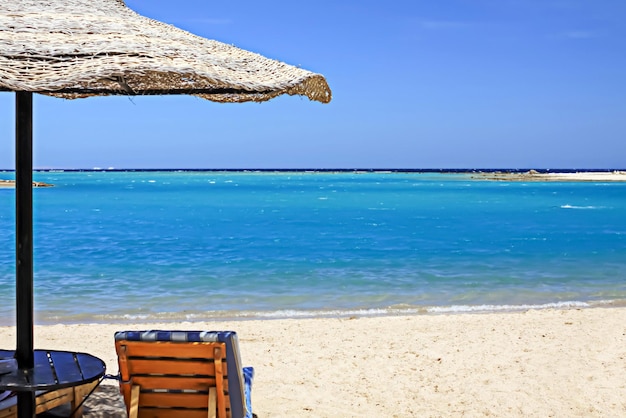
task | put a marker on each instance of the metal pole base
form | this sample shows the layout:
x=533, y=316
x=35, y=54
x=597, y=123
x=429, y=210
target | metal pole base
x=26, y=405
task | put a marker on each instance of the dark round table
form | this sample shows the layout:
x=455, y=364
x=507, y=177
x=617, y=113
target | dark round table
x=53, y=370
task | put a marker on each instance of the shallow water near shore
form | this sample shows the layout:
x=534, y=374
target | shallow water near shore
x=115, y=246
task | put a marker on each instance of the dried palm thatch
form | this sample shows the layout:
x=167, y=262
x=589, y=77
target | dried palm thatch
x=81, y=48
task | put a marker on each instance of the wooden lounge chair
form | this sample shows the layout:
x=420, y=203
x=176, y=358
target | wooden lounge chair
x=183, y=374
x=46, y=401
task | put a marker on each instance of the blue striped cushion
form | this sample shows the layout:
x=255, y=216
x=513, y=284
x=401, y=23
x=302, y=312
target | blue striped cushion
x=240, y=384
x=176, y=336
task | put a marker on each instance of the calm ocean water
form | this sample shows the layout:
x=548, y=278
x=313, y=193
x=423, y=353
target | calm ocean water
x=115, y=246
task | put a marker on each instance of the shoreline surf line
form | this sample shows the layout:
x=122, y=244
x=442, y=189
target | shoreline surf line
x=294, y=314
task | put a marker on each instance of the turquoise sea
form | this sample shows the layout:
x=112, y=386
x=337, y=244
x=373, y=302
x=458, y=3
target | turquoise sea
x=191, y=245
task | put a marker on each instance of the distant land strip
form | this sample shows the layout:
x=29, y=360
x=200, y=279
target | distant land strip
x=11, y=183
x=539, y=175
x=533, y=175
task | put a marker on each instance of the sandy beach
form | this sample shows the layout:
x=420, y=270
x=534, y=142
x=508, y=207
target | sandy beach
x=11, y=184
x=539, y=363
x=533, y=175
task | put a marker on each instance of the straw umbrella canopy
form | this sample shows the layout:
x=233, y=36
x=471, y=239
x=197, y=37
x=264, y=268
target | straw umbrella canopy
x=81, y=48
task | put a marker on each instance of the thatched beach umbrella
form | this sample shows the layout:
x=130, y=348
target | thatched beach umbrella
x=81, y=48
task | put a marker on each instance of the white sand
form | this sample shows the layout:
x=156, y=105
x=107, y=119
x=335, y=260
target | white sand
x=560, y=363
x=532, y=175
x=591, y=176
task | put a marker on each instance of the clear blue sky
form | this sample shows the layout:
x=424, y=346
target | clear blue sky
x=416, y=84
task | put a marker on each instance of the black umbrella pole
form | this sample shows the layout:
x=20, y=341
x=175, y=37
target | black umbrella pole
x=24, y=353
x=24, y=227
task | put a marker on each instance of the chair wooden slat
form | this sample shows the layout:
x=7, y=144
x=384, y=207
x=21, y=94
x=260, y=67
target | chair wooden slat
x=170, y=413
x=169, y=349
x=212, y=403
x=150, y=383
x=171, y=367
x=218, y=354
x=133, y=410
x=172, y=400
